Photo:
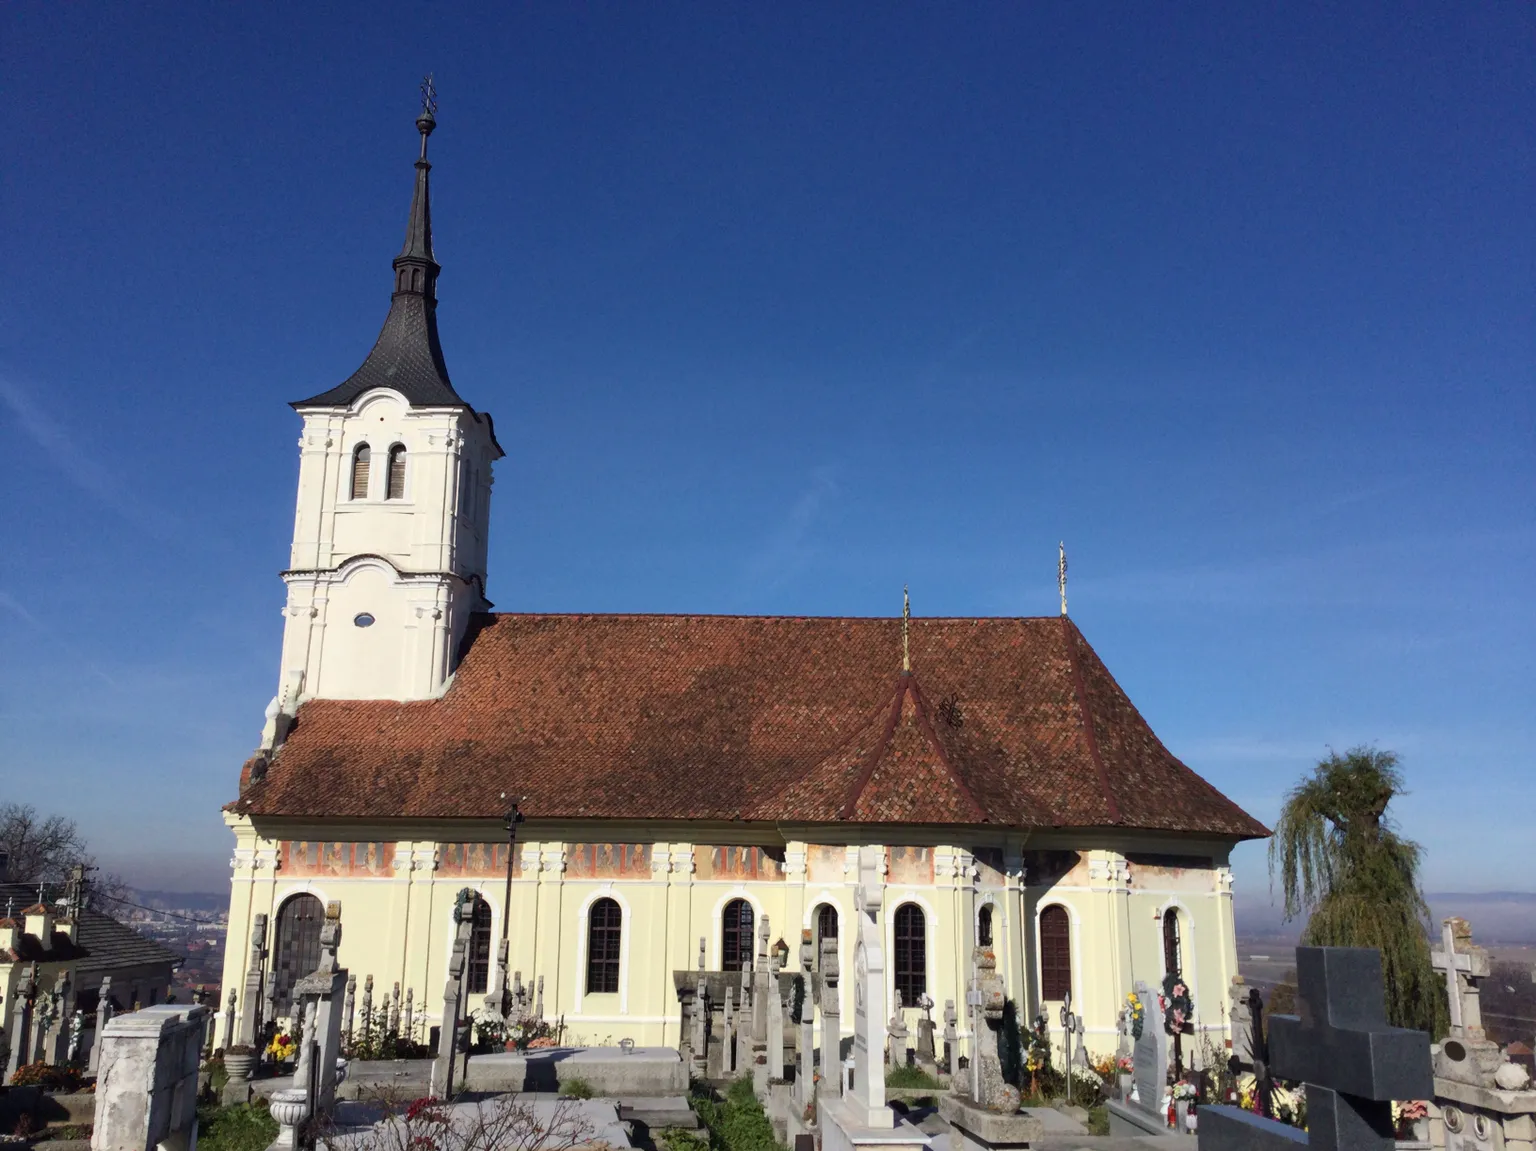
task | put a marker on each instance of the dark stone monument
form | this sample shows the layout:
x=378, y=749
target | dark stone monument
x=1340, y=1044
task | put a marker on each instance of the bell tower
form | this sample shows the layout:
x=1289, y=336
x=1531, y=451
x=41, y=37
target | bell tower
x=389, y=533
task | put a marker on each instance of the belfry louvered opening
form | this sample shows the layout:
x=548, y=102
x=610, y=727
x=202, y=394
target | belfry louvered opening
x=360, y=468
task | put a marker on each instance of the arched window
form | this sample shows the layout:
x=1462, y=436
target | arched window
x=736, y=924
x=826, y=928
x=1173, y=954
x=911, y=954
x=605, y=929
x=395, y=488
x=477, y=972
x=1055, y=953
x=360, y=465
x=984, y=926
x=297, y=953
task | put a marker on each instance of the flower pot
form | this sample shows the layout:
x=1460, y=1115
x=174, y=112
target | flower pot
x=1181, y=1115
x=239, y=1065
x=1125, y=1085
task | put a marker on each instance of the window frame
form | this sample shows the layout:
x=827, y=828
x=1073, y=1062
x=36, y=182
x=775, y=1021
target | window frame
x=361, y=454
x=1173, y=942
x=909, y=955
x=744, y=930
x=1055, y=968
x=605, y=946
x=477, y=956
x=296, y=946
x=397, y=455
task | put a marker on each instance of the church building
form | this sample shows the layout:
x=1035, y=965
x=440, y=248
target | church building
x=681, y=778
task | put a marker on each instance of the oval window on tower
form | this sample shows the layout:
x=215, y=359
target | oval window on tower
x=363, y=619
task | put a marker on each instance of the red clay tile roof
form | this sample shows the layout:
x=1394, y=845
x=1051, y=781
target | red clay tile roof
x=1007, y=721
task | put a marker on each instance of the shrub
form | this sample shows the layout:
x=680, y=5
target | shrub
x=737, y=1122
x=576, y=1089
x=244, y=1127
x=48, y=1076
x=1098, y=1120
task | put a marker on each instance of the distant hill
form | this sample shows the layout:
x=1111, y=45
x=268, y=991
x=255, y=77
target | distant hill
x=1496, y=916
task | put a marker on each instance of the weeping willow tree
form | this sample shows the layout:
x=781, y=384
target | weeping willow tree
x=1343, y=864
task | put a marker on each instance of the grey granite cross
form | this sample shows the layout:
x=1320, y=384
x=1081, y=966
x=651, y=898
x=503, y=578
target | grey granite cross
x=1340, y=1044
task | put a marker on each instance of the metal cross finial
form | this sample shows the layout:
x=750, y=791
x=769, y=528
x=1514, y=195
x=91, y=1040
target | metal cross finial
x=1061, y=574
x=906, y=620
x=428, y=97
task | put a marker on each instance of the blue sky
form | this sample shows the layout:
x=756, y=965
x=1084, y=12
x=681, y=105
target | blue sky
x=779, y=307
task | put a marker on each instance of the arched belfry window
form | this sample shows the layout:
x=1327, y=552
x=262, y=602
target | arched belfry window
x=736, y=924
x=1055, y=953
x=605, y=931
x=984, y=926
x=1173, y=948
x=395, y=488
x=478, y=961
x=297, y=953
x=360, y=467
x=911, y=954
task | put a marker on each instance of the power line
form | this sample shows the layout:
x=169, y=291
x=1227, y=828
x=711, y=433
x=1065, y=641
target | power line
x=154, y=910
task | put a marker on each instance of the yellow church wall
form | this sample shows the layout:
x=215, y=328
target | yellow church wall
x=397, y=897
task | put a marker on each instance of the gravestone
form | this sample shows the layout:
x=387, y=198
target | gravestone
x=860, y=1119
x=146, y=1083
x=728, y=1034
x=831, y=1022
x=231, y=1017
x=1340, y=1045
x=367, y=1008
x=256, y=993
x=744, y=1021
x=1241, y=1015
x=448, y=1033
x=987, y=1117
x=773, y=1024
x=348, y=1012
x=951, y=1038
x=805, y=1034
x=898, y=1034
x=1483, y=1101
x=103, y=1017
x=322, y=993
x=21, y=1022
x=1149, y=1057
x=925, y=1036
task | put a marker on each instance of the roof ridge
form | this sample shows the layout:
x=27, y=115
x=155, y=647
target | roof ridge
x=926, y=725
x=1080, y=689
x=878, y=751
x=894, y=619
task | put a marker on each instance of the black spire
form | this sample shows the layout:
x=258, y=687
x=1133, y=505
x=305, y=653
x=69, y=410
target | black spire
x=407, y=355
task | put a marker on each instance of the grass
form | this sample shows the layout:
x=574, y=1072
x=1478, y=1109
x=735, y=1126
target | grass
x=911, y=1077
x=244, y=1127
x=1098, y=1120
x=736, y=1122
x=576, y=1089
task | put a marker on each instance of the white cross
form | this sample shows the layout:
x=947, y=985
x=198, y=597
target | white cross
x=1461, y=968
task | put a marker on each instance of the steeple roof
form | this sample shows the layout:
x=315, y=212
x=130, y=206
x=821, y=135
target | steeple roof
x=407, y=356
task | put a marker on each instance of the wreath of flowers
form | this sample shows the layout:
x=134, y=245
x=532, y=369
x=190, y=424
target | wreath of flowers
x=1138, y=1012
x=1178, y=1007
x=282, y=1047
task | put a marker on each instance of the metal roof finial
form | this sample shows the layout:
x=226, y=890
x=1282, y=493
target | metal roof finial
x=906, y=621
x=1061, y=574
x=428, y=118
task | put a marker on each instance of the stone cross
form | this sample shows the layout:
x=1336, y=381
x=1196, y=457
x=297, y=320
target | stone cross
x=805, y=1065
x=538, y=1002
x=1241, y=1015
x=898, y=1033
x=951, y=1037
x=867, y=1099
x=988, y=999
x=701, y=1027
x=255, y=991
x=448, y=1034
x=1072, y=1027
x=496, y=997
x=831, y=1021
x=744, y=1021
x=348, y=1011
x=1464, y=966
x=367, y=1007
x=925, y=1036
x=57, y=1050
x=773, y=1022
x=1340, y=1044
x=21, y=1023
x=407, y=1016
x=103, y=1017
x=394, y=1009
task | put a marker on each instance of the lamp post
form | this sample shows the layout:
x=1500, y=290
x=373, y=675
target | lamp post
x=512, y=818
